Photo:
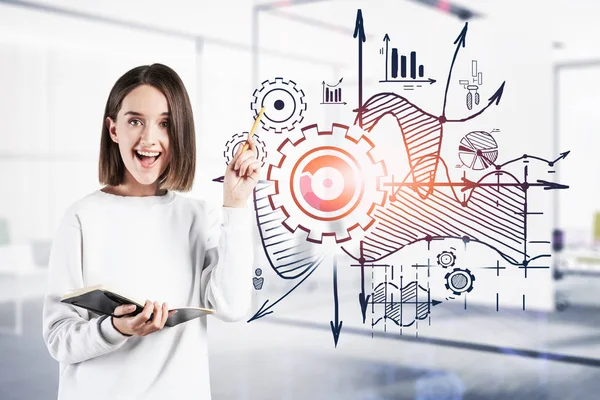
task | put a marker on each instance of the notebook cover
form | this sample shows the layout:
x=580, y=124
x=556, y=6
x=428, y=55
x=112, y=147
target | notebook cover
x=102, y=302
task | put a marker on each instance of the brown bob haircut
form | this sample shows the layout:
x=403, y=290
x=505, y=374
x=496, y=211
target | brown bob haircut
x=179, y=174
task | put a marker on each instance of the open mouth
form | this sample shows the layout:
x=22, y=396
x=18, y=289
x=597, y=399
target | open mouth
x=146, y=158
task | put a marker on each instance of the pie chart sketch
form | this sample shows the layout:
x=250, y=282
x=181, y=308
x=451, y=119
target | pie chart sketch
x=478, y=150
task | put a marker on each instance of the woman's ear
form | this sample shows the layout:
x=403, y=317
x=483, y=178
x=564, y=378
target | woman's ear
x=112, y=129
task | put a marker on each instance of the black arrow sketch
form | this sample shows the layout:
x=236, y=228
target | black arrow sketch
x=386, y=39
x=460, y=41
x=262, y=311
x=337, y=327
x=562, y=156
x=359, y=31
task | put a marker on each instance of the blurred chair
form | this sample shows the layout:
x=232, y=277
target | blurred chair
x=23, y=273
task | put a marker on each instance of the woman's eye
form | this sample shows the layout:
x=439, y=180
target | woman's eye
x=165, y=124
x=135, y=122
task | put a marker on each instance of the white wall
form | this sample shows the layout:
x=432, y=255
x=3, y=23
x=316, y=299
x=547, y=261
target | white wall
x=578, y=128
x=56, y=76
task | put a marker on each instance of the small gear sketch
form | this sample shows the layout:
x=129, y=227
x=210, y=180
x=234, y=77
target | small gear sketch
x=459, y=281
x=284, y=105
x=446, y=259
x=232, y=145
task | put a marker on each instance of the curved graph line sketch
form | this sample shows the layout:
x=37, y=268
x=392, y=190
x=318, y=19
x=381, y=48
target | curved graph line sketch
x=492, y=211
x=284, y=105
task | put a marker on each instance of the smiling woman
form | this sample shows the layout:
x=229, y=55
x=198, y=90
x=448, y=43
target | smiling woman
x=138, y=236
x=156, y=145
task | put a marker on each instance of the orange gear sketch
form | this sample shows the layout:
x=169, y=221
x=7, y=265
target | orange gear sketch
x=327, y=182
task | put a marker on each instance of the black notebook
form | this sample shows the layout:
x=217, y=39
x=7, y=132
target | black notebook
x=102, y=300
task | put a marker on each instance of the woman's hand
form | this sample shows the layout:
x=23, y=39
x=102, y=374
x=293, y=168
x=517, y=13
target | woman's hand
x=241, y=176
x=141, y=324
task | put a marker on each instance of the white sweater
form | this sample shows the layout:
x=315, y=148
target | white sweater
x=168, y=248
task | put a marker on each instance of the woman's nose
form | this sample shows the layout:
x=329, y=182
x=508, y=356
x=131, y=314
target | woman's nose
x=149, y=136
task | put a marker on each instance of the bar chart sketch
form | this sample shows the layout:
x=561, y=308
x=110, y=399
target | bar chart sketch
x=403, y=68
x=472, y=85
x=332, y=94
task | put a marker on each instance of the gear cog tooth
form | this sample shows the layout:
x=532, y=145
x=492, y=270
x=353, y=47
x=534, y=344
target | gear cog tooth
x=315, y=237
x=275, y=160
x=365, y=145
x=379, y=198
x=310, y=132
x=341, y=232
x=274, y=174
x=286, y=147
x=295, y=136
x=276, y=201
x=355, y=133
x=339, y=131
x=380, y=168
x=291, y=222
x=377, y=156
x=365, y=221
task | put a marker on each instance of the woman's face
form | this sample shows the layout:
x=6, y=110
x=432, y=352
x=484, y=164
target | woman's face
x=141, y=130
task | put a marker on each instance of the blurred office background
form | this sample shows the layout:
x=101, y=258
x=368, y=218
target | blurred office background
x=59, y=59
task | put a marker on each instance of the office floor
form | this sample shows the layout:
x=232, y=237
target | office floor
x=290, y=355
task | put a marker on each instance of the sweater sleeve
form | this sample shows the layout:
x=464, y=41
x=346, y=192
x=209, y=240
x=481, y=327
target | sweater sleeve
x=71, y=336
x=226, y=278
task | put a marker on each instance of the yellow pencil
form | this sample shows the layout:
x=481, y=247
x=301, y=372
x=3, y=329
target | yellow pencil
x=256, y=121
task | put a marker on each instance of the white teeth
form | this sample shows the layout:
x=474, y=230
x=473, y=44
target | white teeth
x=147, y=154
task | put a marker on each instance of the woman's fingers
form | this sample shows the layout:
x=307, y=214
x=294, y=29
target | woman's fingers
x=235, y=157
x=238, y=152
x=243, y=158
x=124, y=309
x=254, y=167
x=152, y=318
x=158, y=313
x=151, y=325
x=244, y=167
x=250, y=167
x=165, y=315
x=139, y=320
